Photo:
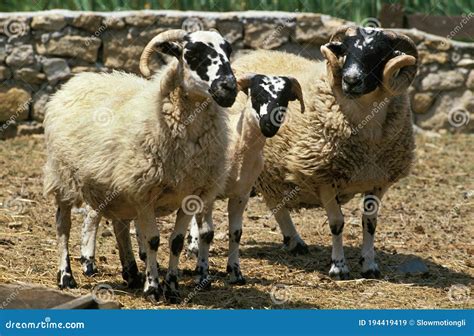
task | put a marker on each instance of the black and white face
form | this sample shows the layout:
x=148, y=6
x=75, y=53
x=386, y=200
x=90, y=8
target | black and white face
x=364, y=56
x=204, y=56
x=269, y=96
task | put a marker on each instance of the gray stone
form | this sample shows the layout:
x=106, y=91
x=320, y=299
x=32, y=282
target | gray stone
x=422, y=102
x=84, y=48
x=121, y=51
x=466, y=63
x=266, y=35
x=452, y=110
x=55, y=69
x=141, y=20
x=88, y=21
x=470, y=80
x=21, y=56
x=50, y=22
x=232, y=30
x=113, y=22
x=413, y=266
x=29, y=75
x=15, y=103
x=39, y=103
x=29, y=128
x=443, y=80
x=5, y=73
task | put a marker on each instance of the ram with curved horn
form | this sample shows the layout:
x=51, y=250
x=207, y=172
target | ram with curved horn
x=354, y=138
x=133, y=148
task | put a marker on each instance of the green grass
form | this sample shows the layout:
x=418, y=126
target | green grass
x=356, y=10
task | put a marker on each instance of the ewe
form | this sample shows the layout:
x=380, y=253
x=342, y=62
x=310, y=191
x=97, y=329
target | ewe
x=355, y=137
x=154, y=150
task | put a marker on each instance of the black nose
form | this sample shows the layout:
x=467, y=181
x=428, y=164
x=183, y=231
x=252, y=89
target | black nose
x=228, y=83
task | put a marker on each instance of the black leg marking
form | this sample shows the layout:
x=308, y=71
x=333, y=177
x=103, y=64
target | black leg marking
x=371, y=225
x=286, y=240
x=65, y=278
x=131, y=275
x=142, y=256
x=177, y=244
x=207, y=237
x=337, y=229
x=89, y=263
x=237, y=235
x=154, y=243
x=237, y=277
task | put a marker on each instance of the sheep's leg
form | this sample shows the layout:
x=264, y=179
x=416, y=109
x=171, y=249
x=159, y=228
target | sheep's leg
x=339, y=269
x=89, y=238
x=141, y=244
x=193, y=239
x=147, y=225
x=63, y=228
x=235, y=207
x=170, y=286
x=372, y=200
x=129, y=266
x=291, y=238
x=206, y=235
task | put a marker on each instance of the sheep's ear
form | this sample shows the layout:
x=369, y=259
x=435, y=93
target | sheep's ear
x=170, y=48
x=297, y=92
x=244, y=82
x=337, y=48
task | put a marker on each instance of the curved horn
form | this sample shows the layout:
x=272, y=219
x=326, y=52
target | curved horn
x=338, y=36
x=167, y=36
x=297, y=91
x=334, y=68
x=407, y=63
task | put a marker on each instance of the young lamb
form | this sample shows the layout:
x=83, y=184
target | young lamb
x=161, y=140
x=356, y=136
x=253, y=120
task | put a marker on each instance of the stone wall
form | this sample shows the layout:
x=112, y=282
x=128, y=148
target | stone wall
x=41, y=50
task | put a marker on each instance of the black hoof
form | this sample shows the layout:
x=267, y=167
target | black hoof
x=204, y=282
x=371, y=274
x=153, y=294
x=137, y=281
x=170, y=290
x=88, y=266
x=66, y=281
x=91, y=270
x=236, y=277
x=238, y=282
x=300, y=249
x=340, y=276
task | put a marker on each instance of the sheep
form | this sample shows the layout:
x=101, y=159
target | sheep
x=154, y=150
x=356, y=136
x=253, y=121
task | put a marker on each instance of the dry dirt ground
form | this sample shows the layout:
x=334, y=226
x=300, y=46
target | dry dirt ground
x=429, y=216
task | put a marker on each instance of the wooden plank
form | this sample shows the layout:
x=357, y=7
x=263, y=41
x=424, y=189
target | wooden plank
x=455, y=27
x=392, y=15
